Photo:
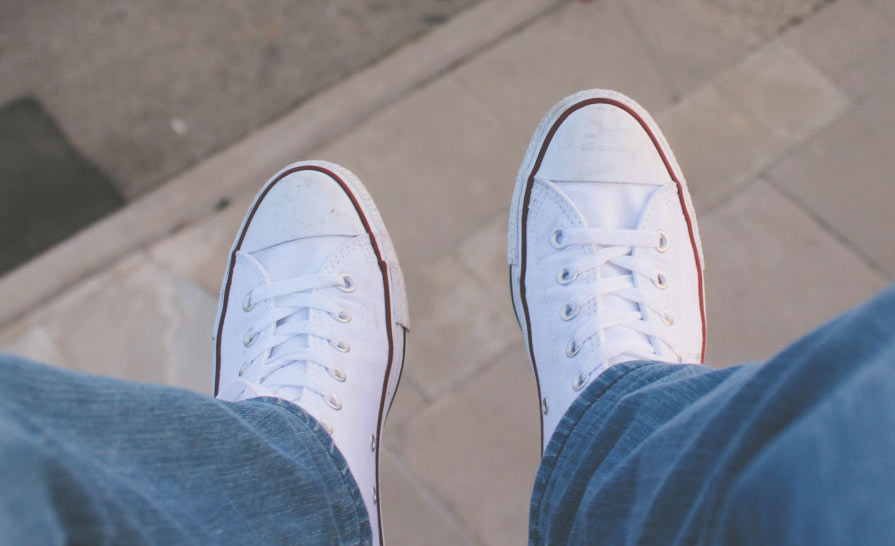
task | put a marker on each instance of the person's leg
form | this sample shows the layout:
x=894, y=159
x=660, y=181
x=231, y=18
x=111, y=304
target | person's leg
x=795, y=450
x=92, y=460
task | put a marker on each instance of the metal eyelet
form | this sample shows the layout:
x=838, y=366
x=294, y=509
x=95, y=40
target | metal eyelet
x=338, y=373
x=663, y=241
x=342, y=316
x=544, y=406
x=247, y=304
x=327, y=426
x=334, y=402
x=372, y=442
x=556, y=238
x=568, y=311
x=348, y=284
x=668, y=317
x=375, y=496
x=564, y=276
x=572, y=348
x=249, y=339
x=661, y=281
x=579, y=382
x=341, y=345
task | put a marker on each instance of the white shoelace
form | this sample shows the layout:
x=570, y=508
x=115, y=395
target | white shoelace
x=612, y=246
x=276, y=331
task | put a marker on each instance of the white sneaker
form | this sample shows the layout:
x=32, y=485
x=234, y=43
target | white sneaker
x=604, y=252
x=313, y=311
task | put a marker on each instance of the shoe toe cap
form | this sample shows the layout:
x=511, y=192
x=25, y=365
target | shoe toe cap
x=304, y=203
x=603, y=143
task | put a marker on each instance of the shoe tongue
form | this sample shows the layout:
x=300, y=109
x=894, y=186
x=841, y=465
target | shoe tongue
x=281, y=264
x=612, y=205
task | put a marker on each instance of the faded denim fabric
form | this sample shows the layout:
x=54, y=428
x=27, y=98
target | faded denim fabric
x=796, y=450
x=91, y=460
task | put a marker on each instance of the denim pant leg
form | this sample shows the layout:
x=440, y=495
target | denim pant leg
x=92, y=460
x=796, y=450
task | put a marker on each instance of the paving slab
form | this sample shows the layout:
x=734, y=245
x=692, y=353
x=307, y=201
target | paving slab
x=777, y=87
x=740, y=146
x=884, y=8
x=409, y=513
x=458, y=327
x=692, y=40
x=580, y=46
x=484, y=255
x=439, y=161
x=773, y=274
x=844, y=176
x=751, y=114
x=36, y=344
x=478, y=449
x=845, y=40
x=136, y=322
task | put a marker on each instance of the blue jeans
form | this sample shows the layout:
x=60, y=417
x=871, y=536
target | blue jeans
x=796, y=450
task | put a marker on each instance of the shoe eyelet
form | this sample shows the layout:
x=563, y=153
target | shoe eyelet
x=579, y=382
x=341, y=345
x=663, y=241
x=564, y=276
x=668, y=317
x=661, y=280
x=572, y=348
x=334, y=402
x=342, y=316
x=249, y=339
x=247, y=304
x=556, y=238
x=569, y=311
x=327, y=426
x=338, y=373
x=372, y=442
x=544, y=406
x=348, y=284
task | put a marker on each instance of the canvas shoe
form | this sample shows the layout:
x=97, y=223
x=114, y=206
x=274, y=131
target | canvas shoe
x=313, y=311
x=604, y=251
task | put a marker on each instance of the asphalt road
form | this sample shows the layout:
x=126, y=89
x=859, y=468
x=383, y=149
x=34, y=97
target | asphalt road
x=102, y=100
x=146, y=88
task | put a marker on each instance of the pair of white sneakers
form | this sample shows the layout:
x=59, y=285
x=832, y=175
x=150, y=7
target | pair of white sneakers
x=605, y=267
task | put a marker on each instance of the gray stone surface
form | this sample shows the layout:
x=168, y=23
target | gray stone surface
x=137, y=322
x=751, y=114
x=458, y=327
x=410, y=514
x=691, y=40
x=477, y=449
x=846, y=177
x=773, y=274
x=846, y=40
x=147, y=89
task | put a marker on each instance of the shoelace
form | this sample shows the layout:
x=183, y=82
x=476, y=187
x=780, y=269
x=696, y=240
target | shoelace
x=612, y=246
x=272, y=332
